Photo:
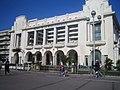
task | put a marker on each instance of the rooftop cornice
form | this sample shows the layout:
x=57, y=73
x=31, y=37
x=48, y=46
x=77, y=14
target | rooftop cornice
x=82, y=18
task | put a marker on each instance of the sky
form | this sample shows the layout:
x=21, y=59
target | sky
x=10, y=9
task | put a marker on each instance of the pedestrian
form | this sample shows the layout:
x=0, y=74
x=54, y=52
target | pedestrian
x=97, y=68
x=0, y=66
x=63, y=70
x=7, y=67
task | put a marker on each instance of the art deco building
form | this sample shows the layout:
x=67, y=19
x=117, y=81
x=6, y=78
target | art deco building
x=4, y=44
x=47, y=40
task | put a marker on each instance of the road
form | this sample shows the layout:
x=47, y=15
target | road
x=23, y=80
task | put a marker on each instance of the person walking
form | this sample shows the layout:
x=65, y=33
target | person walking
x=7, y=67
x=0, y=66
x=97, y=68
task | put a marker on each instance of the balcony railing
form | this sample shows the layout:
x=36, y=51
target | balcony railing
x=29, y=47
x=72, y=44
x=59, y=45
x=38, y=46
x=49, y=45
x=97, y=43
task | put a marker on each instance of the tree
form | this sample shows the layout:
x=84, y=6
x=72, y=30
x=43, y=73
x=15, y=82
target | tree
x=108, y=64
x=118, y=65
x=65, y=59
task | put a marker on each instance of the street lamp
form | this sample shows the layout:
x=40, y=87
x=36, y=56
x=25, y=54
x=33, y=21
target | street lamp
x=93, y=13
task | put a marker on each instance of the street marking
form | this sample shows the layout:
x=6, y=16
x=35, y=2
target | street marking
x=111, y=81
x=83, y=85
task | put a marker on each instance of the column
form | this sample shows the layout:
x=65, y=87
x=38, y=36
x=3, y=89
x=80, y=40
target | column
x=26, y=35
x=66, y=34
x=34, y=38
x=79, y=63
x=17, y=38
x=44, y=37
x=55, y=36
x=54, y=60
x=43, y=60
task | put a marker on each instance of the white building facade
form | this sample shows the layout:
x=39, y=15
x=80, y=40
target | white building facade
x=4, y=44
x=47, y=40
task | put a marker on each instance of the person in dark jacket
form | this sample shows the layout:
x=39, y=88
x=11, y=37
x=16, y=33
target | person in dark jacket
x=97, y=68
x=7, y=67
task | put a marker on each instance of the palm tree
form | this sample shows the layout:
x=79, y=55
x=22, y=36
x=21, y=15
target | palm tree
x=118, y=65
x=65, y=59
x=108, y=64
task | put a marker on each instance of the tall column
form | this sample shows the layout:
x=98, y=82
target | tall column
x=43, y=60
x=54, y=60
x=79, y=63
x=66, y=34
x=17, y=38
x=55, y=36
x=26, y=35
x=35, y=38
x=44, y=37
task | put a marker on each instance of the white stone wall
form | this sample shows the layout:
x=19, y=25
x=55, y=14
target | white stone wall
x=83, y=47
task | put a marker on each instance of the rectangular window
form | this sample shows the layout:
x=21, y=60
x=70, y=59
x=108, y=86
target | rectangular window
x=39, y=37
x=60, y=34
x=97, y=32
x=30, y=38
x=18, y=40
x=73, y=33
x=49, y=36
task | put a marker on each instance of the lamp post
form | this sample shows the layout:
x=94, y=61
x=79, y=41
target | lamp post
x=93, y=13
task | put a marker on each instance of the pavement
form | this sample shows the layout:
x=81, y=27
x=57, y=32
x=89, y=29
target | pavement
x=24, y=80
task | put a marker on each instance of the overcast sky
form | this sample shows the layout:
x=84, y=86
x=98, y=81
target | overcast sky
x=10, y=9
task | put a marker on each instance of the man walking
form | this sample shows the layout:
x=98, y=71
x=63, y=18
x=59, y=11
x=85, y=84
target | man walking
x=7, y=67
x=97, y=68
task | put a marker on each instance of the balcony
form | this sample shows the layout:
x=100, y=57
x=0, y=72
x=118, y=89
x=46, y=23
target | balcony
x=59, y=38
x=97, y=43
x=29, y=47
x=49, y=45
x=75, y=33
x=59, y=45
x=72, y=44
x=38, y=46
x=73, y=28
x=59, y=34
x=4, y=48
x=4, y=52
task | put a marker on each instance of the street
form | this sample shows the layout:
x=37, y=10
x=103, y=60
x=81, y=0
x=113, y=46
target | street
x=23, y=80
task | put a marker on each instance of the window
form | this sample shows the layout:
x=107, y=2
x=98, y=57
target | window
x=97, y=32
x=49, y=35
x=18, y=40
x=39, y=37
x=73, y=33
x=30, y=38
x=60, y=34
